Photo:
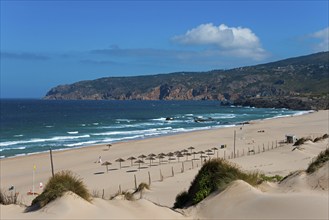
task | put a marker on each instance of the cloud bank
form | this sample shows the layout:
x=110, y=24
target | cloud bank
x=323, y=37
x=232, y=41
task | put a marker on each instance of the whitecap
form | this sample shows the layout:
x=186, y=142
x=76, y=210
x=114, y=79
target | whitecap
x=73, y=132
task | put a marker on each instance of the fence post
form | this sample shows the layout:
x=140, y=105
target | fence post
x=149, y=178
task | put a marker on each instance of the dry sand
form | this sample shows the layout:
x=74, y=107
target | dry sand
x=302, y=193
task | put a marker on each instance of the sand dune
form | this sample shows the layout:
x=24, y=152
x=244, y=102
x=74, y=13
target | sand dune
x=299, y=196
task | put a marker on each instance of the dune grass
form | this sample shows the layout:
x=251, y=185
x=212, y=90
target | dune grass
x=56, y=186
x=7, y=198
x=319, y=161
x=215, y=175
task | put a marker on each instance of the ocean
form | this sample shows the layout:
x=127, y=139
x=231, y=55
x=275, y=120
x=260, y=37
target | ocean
x=29, y=126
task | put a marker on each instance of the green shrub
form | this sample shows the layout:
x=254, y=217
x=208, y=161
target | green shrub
x=214, y=175
x=57, y=185
x=319, y=161
x=181, y=199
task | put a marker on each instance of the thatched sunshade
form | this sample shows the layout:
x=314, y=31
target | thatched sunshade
x=194, y=153
x=187, y=154
x=214, y=149
x=131, y=160
x=179, y=155
x=150, y=159
x=152, y=155
x=191, y=148
x=184, y=151
x=142, y=156
x=120, y=160
x=106, y=163
x=170, y=155
x=160, y=157
x=209, y=152
x=139, y=163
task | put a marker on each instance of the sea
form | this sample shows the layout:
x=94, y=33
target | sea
x=29, y=126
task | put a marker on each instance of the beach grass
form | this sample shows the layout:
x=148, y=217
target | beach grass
x=60, y=183
x=319, y=161
x=7, y=198
x=215, y=175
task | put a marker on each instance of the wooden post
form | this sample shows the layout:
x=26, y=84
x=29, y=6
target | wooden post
x=192, y=165
x=234, y=142
x=172, y=171
x=135, y=181
x=119, y=189
x=149, y=178
x=51, y=162
x=103, y=194
x=248, y=151
x=258, y=149
x=182, y=167
x=161, y=176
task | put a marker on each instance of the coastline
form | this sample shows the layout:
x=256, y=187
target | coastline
x=281, y=160
x=302, y=112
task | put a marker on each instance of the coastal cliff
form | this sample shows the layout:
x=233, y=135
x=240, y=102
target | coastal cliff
x=297, y=83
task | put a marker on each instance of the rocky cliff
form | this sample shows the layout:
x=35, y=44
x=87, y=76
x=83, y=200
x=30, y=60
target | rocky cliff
x=296, y=80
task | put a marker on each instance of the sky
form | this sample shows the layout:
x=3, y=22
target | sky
x=48, y=43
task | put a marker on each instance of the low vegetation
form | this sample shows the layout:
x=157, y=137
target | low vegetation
x=276, y=178
x=321, y=138
x=57, y=185
x=142, y=186
x=215, y=175
x=320, y=160
x=8, y=198
x=301, y=141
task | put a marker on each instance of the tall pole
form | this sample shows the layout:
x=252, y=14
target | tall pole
x=34, y=167
x=234, y=144
x=51, y=162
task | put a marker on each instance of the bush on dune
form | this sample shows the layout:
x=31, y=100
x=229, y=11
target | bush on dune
x=57, y=185
x=320, y=160
x=214, y=175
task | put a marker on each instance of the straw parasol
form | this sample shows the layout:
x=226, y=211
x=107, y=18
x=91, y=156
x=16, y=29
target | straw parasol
x=106, y=163
x=214, y=149
x=184, y=151
x=179, y=155
x=187, y=154
x=120, y=160
x=191, y=148
x=142, y=156
x=139, y=163
x=160, y=156
x=170, y=154
x=152, y=155
x=131, y=160
x=194, y=153
x=150, y=159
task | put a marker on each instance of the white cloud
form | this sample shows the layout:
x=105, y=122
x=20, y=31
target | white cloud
x=323, y=37
x=233, y=41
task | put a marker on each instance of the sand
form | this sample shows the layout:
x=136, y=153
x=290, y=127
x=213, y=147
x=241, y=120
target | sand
x=241, y=200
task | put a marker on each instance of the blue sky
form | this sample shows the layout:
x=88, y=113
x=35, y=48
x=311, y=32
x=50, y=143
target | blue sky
x=47, y=43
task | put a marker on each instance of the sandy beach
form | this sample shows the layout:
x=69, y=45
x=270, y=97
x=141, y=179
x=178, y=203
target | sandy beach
x=258, y=146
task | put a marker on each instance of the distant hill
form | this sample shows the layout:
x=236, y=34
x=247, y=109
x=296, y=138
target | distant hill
x=298, y=83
